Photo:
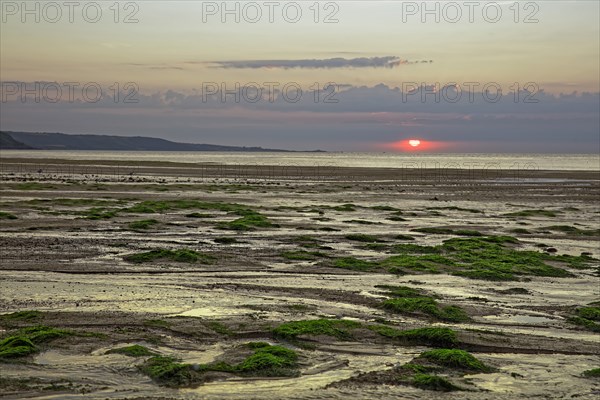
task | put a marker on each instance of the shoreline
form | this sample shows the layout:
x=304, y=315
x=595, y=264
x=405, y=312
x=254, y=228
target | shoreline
x=165, y=168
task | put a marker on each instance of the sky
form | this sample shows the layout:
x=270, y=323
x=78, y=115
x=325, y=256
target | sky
x=501, y=76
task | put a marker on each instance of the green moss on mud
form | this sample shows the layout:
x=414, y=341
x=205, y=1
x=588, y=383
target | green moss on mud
x=6, y=215
x=266, y=360
x=588, y=317
x=225, y=240
x=455, y=358
x=534, y=213
x=28, y=315
x=143, y=224
x=592, y=373
x=27, y=340
x=247, y=222
x=181, y=255
x=448, y=231
x=427, y=306
x=433, y=382
x=361, y=237
x=340, y=329
x=490, y=258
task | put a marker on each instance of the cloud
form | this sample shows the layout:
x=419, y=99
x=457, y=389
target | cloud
x=325, y=63
x=156, y=66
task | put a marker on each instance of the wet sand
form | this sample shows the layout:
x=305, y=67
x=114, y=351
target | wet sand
x=73, y=269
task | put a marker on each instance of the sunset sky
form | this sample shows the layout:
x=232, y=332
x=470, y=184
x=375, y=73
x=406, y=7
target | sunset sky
x=373, y=53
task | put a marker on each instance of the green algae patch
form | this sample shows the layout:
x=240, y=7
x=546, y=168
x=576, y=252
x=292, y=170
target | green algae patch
x=157, y=323
x=28, y=315
x=427, y=306
x=249, y=219
x=572, y=230
x=361, y=222
x=588, y=317
x=219, y=328
x=182, y=255
x=247, y=222
x=337, y=328
x=592, y=313
x=409, y=248
x=487, y=257
x=142, y=225
x=385, y=208
x=429, y=263
x=168, y=371
x=533, y=213
x=396, y=218
x=225, y=240
x=199, y=215
x=454, y=208
x=448, y=231
x=41, y=334
x=27, y=340
x=354, y=264
x=265, y=361
x=99, y=213
x=6, y=215
x=592, y=373
x=349, y=207
x=133, y=351
x=433, y=382
x=302, y=255
x=400, y=291
x=269, y=360
x=16, y=346
x=577, y=262
x=361, y=237
x=404, y=237
x=407, y=300
x=162, y=206
x=454, y=358
x=306, y=241
x=442, y=369
x=376, y=246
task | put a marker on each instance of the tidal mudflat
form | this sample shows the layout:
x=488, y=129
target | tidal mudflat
x=162, y=280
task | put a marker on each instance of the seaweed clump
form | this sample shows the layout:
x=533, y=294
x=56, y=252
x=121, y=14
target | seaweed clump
x=264, y=360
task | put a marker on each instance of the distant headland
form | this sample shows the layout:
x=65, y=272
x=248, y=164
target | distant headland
x=62, y=141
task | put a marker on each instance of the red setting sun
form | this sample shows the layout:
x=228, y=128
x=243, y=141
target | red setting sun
x=414, y=145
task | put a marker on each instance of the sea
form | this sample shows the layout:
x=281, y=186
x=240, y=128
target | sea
x=560, y=162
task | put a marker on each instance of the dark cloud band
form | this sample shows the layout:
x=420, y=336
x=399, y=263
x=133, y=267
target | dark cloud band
x=327, y=63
